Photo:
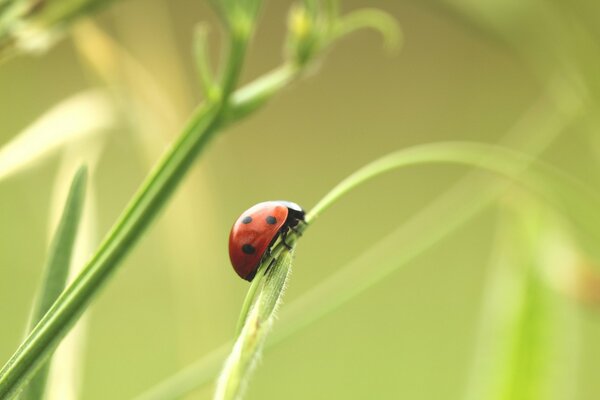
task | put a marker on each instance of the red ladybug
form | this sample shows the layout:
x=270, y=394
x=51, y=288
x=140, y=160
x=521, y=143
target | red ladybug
x=256, y=230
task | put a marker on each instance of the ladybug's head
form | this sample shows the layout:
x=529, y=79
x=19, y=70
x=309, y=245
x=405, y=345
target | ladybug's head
x=295, y=211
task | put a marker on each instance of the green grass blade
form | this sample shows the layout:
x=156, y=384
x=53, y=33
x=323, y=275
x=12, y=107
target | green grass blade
x=56, y=270
x=247, y=348
x=57, y=264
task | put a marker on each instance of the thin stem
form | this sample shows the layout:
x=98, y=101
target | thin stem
x=141, y=211
x=203, y=66
x=256, y=94
x=494, y=158
x=129, y=228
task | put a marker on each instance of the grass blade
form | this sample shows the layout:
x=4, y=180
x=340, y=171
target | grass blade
x=247, y=348
x=56, y=270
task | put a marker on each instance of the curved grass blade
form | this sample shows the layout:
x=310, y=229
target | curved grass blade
x=572, y=198
x=56, y=270
x=75, y=118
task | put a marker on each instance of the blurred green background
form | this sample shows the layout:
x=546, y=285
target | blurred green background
x=461, y=75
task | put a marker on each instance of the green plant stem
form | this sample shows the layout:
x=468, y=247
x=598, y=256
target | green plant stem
x=138, y=215
x=574, y=200
x=146, y=204
x=203, y=65
x=256, y=94
x=543, y=179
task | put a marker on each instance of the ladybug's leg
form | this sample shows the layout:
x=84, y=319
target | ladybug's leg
x=283, y=236
x=296, y=231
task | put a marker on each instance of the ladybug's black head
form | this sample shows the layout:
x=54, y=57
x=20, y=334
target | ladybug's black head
x=295, y=212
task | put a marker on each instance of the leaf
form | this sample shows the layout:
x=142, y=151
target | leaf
x=248, y=346
x=56, y=270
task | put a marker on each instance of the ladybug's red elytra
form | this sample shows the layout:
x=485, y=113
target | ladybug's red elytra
x=256, y=230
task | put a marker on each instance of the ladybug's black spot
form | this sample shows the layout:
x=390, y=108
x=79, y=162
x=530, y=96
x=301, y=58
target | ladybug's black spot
x=247, y=220
x=271, y=220
x=248, y=249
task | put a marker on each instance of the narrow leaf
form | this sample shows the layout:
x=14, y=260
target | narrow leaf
x=247, y=348
x=56, y=270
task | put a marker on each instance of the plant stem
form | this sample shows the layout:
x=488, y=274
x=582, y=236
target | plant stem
x=138, y=215
x=511, y=164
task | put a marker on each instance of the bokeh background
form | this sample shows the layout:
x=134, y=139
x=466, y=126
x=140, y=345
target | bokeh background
x=465, y=72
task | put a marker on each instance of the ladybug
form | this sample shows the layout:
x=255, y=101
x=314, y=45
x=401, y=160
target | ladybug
x=255, y=231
